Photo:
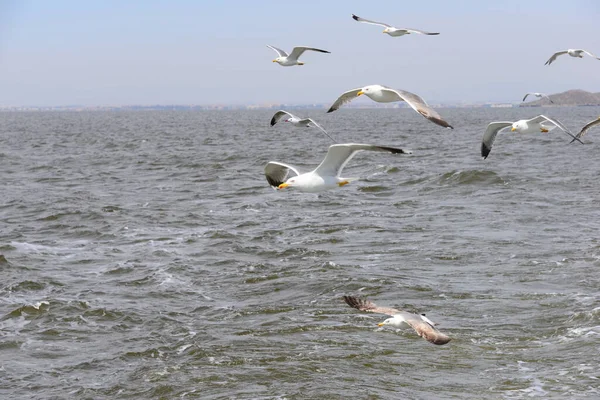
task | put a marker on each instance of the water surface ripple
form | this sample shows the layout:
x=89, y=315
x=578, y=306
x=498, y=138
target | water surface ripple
x=145, y=256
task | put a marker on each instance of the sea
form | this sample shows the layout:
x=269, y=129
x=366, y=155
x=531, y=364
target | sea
x=145, y=256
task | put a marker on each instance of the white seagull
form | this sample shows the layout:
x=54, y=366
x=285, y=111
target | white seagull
x=585, y=128
x=572, y=52
x=541, y=123
x=383, y=94
x=401, y=319
x=540, y=95
x=327, y=174
x=298, y=122
x=287, y=60
x=392, y=31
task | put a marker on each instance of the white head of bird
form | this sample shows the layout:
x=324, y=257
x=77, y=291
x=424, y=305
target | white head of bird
x=518, y=126
x=395, y=322
x=378, y=93
x=369, y=90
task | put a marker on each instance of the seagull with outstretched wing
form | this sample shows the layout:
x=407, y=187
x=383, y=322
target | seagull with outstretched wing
x=327, y=174
x=287, y=60
x=383, y=94
x=393, y=31
x=401, y=319
x=298, y=122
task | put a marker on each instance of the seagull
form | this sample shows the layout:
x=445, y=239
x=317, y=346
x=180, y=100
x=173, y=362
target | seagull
x=299, y=122
x=585, y=128
x=327, y=174
x=286, y=60
x=383, y=94
x=540, y=95
x=572, y=52
x=541, y=123
x=401, y=319
x=392, y=31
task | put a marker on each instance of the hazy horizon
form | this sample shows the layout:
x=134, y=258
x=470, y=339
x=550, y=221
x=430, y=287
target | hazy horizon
x=183, y=52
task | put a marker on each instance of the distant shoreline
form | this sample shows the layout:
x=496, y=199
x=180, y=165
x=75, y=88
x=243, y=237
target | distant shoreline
x=255, y=108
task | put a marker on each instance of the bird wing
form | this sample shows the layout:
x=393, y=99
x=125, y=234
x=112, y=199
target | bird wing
x=590, y=54
x=542, y=118
x=312, y=121
x=277, y=116
x=551, y=59
x=297, y=52
x=421, y=32
x=366, y=305
x=420, y=105
x=338, y=156
x=425, y=330
x=586, y=127
x=366, y=21
x=490, y=135
x=279, y=51
x=546, y=96
x=277, y=173
x=526, y=96
x=343, y=99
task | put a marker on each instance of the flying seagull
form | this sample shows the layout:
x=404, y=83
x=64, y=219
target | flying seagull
x=401, y=319
x=287, y=60
x=541, y=123
x=572, y=52
x=327, y=174
x=540, y=95
x=383, y=94
x=298, y=122
x=392, y=31
x=585, y=128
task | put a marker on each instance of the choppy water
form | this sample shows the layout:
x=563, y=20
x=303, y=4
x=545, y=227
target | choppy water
x=145, y=256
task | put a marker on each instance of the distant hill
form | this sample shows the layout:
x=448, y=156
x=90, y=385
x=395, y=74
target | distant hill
x=574, y=97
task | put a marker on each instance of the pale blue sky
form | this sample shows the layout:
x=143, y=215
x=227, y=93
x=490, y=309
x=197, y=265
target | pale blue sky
x=204, y=52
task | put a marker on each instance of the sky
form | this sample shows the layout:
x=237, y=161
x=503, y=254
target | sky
x=93, y=53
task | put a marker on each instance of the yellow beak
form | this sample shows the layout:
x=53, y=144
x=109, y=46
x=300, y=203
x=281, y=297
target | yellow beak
x=513, y=129
x=282, y=186
x=359, y=93
x=274, y=60
x=381, y=324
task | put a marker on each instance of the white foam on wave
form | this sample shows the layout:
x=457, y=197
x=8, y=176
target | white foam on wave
x=40, y=303
x=74, y=247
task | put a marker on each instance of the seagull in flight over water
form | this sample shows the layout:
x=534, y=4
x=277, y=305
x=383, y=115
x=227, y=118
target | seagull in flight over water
x=401, y=319
x=298, y=122
x=541, y=123
x=383, y=94
x=327, y=174
x=539, y=95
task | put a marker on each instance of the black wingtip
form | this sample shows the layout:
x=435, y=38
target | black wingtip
x=395, y=150
x=273, y=182
x=354, y=302
x=485, y=151
x=440, y=122
x=330, y=110
x=355, y=17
